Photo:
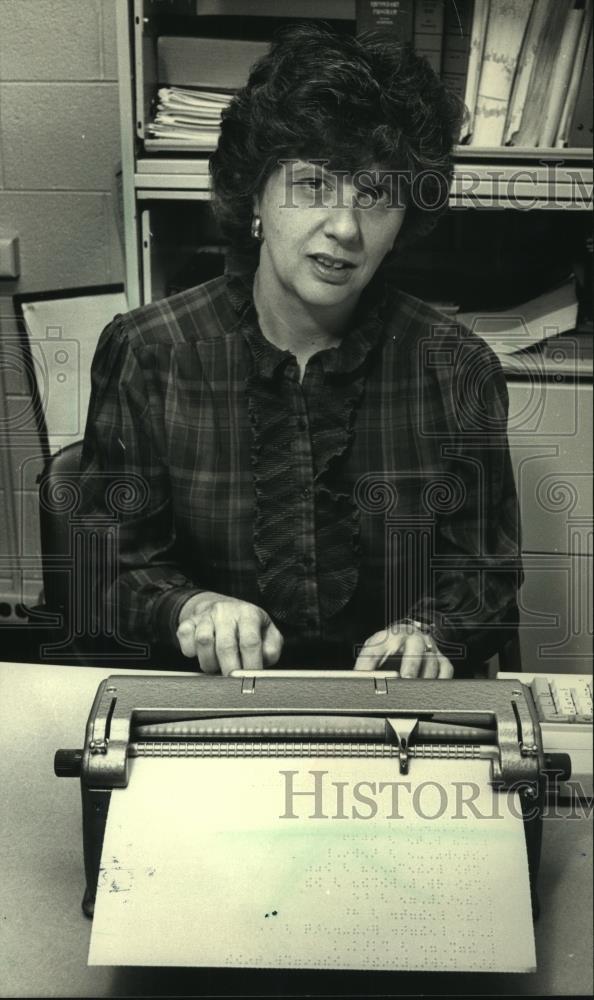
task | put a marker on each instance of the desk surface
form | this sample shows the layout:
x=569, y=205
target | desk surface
x=44, y=936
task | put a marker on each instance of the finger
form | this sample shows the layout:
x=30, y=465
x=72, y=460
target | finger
x=226, y=644
x=381, y=651
x=413, y=656
x=394, y=658
x=185, y=637
x=446, y=670
x=371, y=653
x=272, y=644
x=249, y=635
x=204, y=643
x=430, y=668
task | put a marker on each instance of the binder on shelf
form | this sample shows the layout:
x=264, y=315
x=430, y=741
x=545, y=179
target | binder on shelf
x=539, y=17
x=456, y=45
x=580, y=133
x=560, y=78
x=505, y=31
x=428, y=31
x=478, y=35
x=543, y=67
x=395, y=18
x=569, y=103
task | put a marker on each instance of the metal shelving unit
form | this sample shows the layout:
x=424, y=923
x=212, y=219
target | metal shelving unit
x=520, y=179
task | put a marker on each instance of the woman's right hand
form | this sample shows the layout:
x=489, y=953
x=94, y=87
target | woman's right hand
x=227, y=634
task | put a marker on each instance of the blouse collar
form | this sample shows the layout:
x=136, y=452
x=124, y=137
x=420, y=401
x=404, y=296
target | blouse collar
x=346, y=357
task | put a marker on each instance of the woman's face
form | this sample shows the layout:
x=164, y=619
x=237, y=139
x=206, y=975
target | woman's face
x=325, y=233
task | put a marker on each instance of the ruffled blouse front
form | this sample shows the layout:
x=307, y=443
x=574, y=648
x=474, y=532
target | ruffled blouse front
x=306, y=526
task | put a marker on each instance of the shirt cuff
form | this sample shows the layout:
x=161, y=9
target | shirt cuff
x=166, y=611
x=474, y=642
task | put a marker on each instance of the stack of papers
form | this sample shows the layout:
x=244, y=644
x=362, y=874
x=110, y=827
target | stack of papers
x=191, y=117
x=511, y=330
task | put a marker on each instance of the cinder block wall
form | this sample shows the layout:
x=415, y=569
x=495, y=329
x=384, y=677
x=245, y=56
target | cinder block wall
x=59, y=150
x=59, y=140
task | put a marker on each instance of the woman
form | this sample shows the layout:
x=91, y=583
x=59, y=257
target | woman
x=325, y=460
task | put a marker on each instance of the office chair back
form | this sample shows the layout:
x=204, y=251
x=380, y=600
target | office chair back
x=78, y=564
x=58, y=492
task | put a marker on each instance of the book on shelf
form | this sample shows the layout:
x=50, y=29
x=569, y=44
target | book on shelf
x=392, y=17
x=556, y=47
x=505, y=30
x=478, y=34
x=560, y=78
x=540, y=15
x=456, y=45
x=577, y=71
x=428, y=31
x=542, y=70
x=580, y=132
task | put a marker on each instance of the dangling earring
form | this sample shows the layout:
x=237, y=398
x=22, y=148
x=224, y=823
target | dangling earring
x=256, y=229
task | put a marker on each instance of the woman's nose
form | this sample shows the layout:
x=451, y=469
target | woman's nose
x=342, y=222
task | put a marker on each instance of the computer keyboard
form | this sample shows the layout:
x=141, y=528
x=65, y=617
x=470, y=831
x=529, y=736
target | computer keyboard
x=563, y=698
x=564, y=708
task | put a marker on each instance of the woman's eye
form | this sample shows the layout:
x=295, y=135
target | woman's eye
x=378, y=195
x=313, y=183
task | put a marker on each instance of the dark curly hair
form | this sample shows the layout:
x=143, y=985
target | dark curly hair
x=356, y=102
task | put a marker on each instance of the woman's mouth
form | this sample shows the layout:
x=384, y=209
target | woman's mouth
x=336, y=270
x=336, y=263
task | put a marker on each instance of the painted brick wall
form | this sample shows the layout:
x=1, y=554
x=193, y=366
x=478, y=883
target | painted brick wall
x=59, y=151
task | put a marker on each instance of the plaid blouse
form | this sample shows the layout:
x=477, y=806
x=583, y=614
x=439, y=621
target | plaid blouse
x=378, y=487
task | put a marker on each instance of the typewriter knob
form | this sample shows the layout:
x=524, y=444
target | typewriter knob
x=557, y=767
x=67, y=763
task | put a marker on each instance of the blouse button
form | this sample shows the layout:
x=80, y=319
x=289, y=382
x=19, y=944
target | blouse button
x=306, y=493
x=302, y=424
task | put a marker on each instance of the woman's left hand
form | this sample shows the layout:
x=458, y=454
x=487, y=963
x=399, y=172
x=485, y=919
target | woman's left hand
x=404, y=647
